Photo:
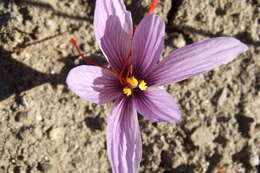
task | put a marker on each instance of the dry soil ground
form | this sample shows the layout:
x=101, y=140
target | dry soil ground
x=46, y=128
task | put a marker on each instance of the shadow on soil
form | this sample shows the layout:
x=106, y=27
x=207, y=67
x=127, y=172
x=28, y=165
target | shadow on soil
x=17, y=77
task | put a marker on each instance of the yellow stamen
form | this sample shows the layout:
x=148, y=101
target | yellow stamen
x=127, y=91
x=132, y=81
x=142, y=85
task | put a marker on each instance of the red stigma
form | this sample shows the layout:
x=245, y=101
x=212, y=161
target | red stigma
x=89, y=61
x=153, y=6
x=127, y=63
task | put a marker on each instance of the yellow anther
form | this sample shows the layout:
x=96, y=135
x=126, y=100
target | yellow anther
x=127, y=91
x=132, y=81
x=142, y=85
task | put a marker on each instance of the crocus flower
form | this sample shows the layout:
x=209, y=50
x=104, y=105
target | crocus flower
x=135, y=72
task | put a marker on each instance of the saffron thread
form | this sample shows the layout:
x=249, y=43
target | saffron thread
x=74, y=43
x=153, y=6
x=127, y=63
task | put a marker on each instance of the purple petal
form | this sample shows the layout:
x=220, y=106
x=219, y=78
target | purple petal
x=195, y=59
x=147, y=43
x=93, y=84
x=113, y=29
x=124, y=143
x=157, y=105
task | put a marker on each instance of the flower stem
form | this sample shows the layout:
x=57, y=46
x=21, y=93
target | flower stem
x=153, y=6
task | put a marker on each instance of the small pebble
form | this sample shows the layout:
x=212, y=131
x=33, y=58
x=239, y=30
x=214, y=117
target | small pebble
x=57, y=134
x=202, y=136
x=77, y=61
x=254, y=160
x=223, y=96
x=179, y=41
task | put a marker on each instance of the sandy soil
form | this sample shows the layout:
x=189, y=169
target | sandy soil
x=46, y=128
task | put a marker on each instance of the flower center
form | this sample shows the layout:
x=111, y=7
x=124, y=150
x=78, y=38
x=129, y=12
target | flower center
x=132, y=83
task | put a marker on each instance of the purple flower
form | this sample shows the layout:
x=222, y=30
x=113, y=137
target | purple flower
x=135, y=74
